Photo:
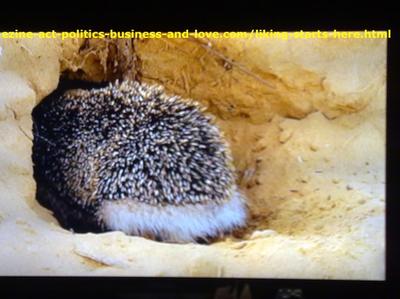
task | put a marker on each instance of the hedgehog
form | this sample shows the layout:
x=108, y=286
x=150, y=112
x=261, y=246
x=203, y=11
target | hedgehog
x=129, y=157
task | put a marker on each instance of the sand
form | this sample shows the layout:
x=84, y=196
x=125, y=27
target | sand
x=305, y=120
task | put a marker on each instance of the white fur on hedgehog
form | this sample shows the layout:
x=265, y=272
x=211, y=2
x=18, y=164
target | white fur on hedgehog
x=179, y=224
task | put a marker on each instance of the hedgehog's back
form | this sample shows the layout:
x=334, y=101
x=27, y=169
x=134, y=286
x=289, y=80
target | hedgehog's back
x=133, y=142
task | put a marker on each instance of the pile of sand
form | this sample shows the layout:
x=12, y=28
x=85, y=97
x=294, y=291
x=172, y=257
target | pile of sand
x=306, y=123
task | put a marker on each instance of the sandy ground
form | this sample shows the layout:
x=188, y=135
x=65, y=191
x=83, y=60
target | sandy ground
x=306, y=123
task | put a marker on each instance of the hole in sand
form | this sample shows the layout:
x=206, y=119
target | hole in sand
x=248, y=161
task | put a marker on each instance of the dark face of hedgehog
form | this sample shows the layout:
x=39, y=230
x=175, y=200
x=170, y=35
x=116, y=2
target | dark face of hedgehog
x=127, y=151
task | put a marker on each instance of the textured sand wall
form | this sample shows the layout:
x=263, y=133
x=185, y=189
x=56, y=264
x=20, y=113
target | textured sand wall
x=306, y=123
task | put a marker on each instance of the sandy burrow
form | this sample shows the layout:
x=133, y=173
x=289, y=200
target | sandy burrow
x=315, y=182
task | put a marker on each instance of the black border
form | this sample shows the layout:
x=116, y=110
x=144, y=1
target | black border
x=109, y=287
x=104, y=17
